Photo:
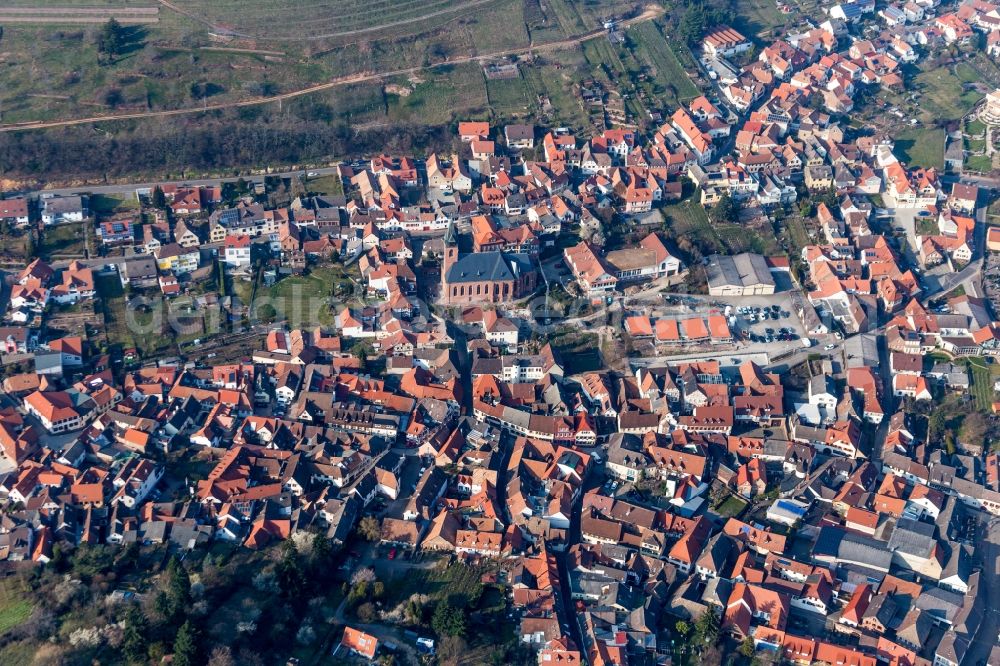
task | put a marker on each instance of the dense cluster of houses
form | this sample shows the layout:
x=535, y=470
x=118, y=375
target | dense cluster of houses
x=300, y=437
x=489, y=452
x=796, y=94
x=855, y=275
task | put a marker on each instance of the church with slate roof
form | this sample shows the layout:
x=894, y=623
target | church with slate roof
x=484, y=277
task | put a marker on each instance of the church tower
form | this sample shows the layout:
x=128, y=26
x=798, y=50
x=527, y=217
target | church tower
x=450, y=257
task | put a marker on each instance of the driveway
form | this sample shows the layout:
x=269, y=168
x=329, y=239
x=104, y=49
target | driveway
x=408, y=477
x=906, y=220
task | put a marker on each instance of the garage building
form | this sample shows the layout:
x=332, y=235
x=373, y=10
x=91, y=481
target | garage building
x=740, y=275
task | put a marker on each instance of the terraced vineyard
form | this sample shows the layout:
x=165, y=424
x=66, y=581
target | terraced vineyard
x=218, y=53
x=669, y=72
x=290, y=20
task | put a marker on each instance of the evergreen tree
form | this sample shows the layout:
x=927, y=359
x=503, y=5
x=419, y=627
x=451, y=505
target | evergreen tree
x=726, y=210
x=186, y=645
x=178, y=590
x=163, y=605
x=321, y=550
x=110, y=41
x=291, y=579
x=134, y=642
x=706, y=628
x=448, y=620
x=159, y=198
x=692, y=26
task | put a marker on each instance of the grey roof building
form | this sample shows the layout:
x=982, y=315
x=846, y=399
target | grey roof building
x=942, y=604
x=48, y=363
x=489, y=266
x=740, y=275
x=837, y=545
x=913, y=537
x=519, y=136
x=63, y=209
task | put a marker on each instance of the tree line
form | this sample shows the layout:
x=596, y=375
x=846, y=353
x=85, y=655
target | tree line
x=217, y=143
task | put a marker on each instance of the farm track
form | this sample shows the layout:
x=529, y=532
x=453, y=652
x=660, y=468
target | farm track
x=223, y=29
x=80, y=15
x=80, y=20
x=75, y=11
x=651, y=12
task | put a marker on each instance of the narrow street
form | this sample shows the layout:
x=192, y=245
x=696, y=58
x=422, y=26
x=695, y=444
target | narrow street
x=566, y=589
x=888, y=402
x=988, y=635
x=464, y=362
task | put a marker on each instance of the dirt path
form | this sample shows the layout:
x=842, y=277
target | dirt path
x=392, y=24
x=198, y=19
x=80, y=15
x=228, y=49
x=79, y=20
x=223, y=29
x=650, y=13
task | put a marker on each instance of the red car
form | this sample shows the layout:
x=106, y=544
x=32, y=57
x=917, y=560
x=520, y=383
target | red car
x=392, y=554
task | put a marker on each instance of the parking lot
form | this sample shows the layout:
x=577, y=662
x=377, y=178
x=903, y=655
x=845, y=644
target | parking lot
x=556, y=271
x=756, y=336
x=759, y=316
x=767, y=324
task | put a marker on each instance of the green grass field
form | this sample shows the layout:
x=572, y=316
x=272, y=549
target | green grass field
x=438, y=582
x=605, y=63
x=925, y=226
x=983, y=377
x=975, y=128
x=14, y=607
x=979, y=163
x=921, y=147
x=739, y=238
x=798, y=236
x=442, y=92
x=762, y=15
x=569, y=18
x=508, y=96
x=732, y=506
x=105, y=204
x=304, y=300
x=325, y=185
x=689, y=220
x=942, y=93
x=555, y=82
x=63, y=240
x=975, y=145
x=541, y=22
x=360, y=103
x=131, y=326
x=671, y=76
